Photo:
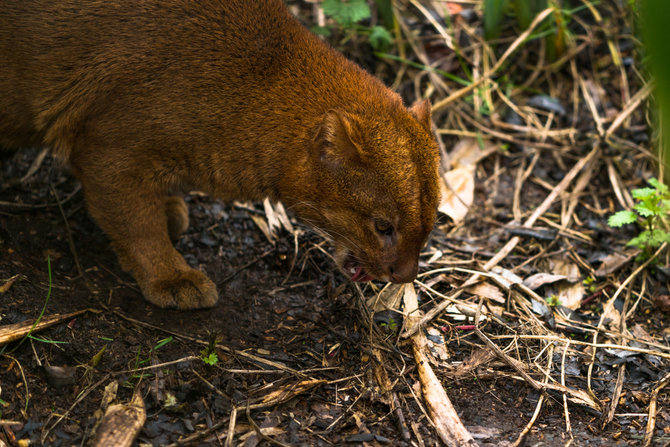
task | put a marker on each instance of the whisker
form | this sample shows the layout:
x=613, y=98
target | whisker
x=332, y=235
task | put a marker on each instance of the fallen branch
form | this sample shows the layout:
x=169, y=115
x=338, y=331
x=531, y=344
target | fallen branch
x=443, y=414
x=121, y=423
x=651, y=421
x=13, y=332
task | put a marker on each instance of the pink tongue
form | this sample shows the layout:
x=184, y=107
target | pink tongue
x=359, y=276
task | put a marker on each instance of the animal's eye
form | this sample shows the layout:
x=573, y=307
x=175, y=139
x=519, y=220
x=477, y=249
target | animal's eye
x=384, y=227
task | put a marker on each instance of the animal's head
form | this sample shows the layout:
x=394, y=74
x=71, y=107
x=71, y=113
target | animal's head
x=376, y=185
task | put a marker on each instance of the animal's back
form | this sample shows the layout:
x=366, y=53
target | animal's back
x=66, y=62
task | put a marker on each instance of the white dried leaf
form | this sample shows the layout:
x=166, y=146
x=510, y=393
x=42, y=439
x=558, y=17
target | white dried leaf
x=457, y=186
x=489, y=291
x=569, y=295
x=504, y=278
x=540, y=279
x=612, y=263
x=457, y=189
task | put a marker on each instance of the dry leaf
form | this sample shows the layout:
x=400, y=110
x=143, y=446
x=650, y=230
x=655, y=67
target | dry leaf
x=504, y=278
x=262, y=224
x=487, y=291
x=437, y=348
x=458, y=191
x=463, y=312
x=612, y=263
x=446, y=9
x=662, y=302
x=276, y=216
x=640, y=334
x=434, y=257
x=273, y=220
x=454, y=8
x=6, y=286
x=569, y=295
x=540, y=279
x=387, y=298
x=611, y=315
x=458, y=185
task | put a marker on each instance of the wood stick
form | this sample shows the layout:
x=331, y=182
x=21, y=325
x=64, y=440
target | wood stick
x=449, y=426
x=651, y=421
x=121, y=423
x=13, y=332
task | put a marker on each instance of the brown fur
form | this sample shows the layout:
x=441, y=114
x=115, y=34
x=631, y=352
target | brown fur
x=234, y=97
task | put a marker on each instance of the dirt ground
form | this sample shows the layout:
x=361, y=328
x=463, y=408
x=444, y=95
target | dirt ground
x=300, y=356
x=296, y=324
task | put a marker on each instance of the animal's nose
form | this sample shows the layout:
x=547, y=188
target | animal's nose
x=403, y=270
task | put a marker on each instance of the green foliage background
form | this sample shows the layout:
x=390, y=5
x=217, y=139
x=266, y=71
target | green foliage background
x=655, y=15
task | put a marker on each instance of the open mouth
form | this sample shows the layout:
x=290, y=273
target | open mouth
x=355, y=271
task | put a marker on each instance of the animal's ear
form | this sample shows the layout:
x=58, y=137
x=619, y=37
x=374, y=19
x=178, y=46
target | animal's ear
x=338, y=139
x=421, y=111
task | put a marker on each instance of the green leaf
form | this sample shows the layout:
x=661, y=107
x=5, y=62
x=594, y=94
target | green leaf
x=553, y=301
x=523, y=13
x=163, y=342
x=321, y=31
x=643, y=193
x=640, y=241
x=380, y=38
x=644, y=209
x=650, y=239
x=622, y=218
x=654, y=27
x=95, y=361
x=385, y=11
x=660, y=187
x=346, y=12
x=494, y=10
x=657, y=237
x=211, y=359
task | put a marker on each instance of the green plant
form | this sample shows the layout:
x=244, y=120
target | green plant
x=95, y=360
x=346, y=12
x=162, y=343
x=142, y=360
x=655, y=15
x=391, y=326
x=211, y=359
x=349, y=13
x=553, y=29
x=590, y=284
x=553, y=301
x=208, y=355
x=651, y=209
x=524, y=10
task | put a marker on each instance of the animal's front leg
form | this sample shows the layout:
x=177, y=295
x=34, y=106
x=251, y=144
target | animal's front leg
x=138, y=220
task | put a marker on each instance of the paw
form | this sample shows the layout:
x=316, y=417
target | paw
x=177, y=216
x=189, y=289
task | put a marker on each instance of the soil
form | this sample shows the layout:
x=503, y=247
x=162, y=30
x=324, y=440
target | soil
x=306, y=319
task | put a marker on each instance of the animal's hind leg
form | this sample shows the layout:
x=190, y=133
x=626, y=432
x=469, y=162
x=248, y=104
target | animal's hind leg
x=177, y=216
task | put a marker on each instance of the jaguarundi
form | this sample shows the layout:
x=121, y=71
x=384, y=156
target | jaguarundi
x=147, y=98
